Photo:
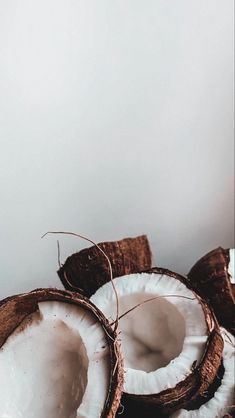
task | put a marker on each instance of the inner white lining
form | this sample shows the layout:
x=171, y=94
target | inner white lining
x=217, y=407
x=160, y=325
x=51, y=364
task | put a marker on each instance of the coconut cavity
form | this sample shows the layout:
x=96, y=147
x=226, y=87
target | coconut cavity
x=55, y=364
x=150, y=347
x=160, y=339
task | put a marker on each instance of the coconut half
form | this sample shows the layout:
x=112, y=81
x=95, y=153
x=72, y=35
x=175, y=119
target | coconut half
x=223, y=400
x=213, y=278
x=59, y=358
x=172, y=345
x=87, y=269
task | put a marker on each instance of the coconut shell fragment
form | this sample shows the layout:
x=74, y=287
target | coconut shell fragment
x=211, y=278
x=87, y=269
x=15, y=316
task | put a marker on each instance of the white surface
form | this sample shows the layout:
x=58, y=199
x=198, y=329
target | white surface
x=116, y=119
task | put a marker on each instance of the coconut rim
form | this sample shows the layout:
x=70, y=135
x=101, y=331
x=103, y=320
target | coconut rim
x=226, y=386
x=29, y=305
x=187, y=391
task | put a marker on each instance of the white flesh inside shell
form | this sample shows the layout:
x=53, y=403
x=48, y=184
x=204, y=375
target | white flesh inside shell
x=55, y=365
x=160, y=339
x=231, y=266
x=218, y=406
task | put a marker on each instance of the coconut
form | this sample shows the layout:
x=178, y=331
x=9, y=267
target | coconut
x=171, y=342
x=59, y=358
x=87, y=269
x=213, y=278
x=223, y=400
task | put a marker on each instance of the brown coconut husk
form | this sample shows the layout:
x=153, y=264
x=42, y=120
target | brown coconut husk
x=15, y=309
x=209, y=277
x=87, y=270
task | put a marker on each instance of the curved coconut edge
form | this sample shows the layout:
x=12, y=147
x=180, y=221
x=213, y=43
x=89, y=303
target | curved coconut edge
x=210, y=278
x=197, y=387
x=87, y=270
x=14, y=309
x=222, y=403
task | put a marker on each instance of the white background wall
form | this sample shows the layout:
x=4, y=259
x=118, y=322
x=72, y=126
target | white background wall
x=116, y=119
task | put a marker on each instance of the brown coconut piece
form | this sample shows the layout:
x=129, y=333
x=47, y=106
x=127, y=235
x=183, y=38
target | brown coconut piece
x=210, y=278
x=16, y=309
x=87, y=270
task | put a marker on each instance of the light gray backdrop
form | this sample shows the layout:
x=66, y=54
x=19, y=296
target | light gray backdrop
x=116, y=119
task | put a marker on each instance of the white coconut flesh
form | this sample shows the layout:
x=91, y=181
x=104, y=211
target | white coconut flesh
x=55, y=365
x=231, y=266
x=160, y=339
x=223, y=398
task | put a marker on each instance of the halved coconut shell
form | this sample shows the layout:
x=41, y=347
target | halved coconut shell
x=200, y=382
x=15, y=314
x=211, y=278
x=87, y=270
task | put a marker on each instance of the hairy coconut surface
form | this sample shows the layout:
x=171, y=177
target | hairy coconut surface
x=213, y=278
x=59, y=358
x=172, y=346
x=224, y=397
x=87, y=270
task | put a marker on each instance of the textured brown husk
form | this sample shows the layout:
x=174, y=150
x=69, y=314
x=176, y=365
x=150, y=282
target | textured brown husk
x=88, y=269
x=209, y=277
x=15, y=309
